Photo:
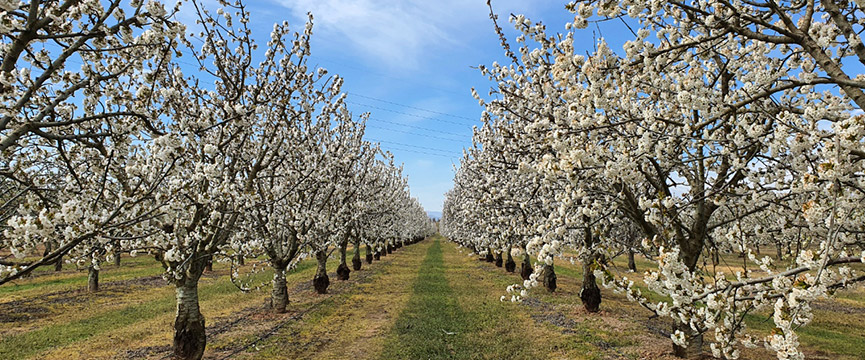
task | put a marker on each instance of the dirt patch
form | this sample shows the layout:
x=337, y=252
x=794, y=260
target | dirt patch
x=163, y=351
x=838, y=307
x=21, y=311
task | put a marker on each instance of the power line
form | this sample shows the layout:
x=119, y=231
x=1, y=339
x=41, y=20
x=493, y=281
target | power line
x=410, y=107
x=422, y=152
x=413, y=146
x=416, y=134
x=417, y=127
x=406, y=114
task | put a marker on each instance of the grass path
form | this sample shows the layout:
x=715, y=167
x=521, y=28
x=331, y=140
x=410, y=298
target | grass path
x=350, y=324
x=426, y=301
x=432, y=326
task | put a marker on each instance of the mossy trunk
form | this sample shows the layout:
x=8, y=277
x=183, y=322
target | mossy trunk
x=279, y=295
x=590, y=294
x=355, y=260
x=510, y=265
x=499, y=260
x=526, y=269
x=320, y=282
x=694, y=347
x=632, y=265
x=548, y=275
x=189, y=336
x=342, y=271
x=368, y=254
x=93, y=278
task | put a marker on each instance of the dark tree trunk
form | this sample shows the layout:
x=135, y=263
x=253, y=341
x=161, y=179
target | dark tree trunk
x=320, y=282
x=58, y=265
x=355, y=260
x=510, y=265
x=389, y=248
x=694, y=348
x=377, y=255
x=92, y=278
x=549, y=276
x=490, y=257
x=590, y=294
x=240, y=260
x=780, y=251
x=632, y=265
x=342, y=271
x=368, y=254
x=526, y=269
x=279, y=295
x=189, y=336
x=117, y=256
x=209, y=265
x=499, y=261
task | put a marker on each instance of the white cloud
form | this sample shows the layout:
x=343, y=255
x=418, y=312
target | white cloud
x=397, y=34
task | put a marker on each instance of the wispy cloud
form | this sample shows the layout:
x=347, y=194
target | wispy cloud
x=397, y=34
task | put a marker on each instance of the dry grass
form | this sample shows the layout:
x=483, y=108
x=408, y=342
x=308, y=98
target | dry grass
x=428, y=299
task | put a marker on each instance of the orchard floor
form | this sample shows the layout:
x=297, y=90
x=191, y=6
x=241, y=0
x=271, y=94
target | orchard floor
x=425, y=301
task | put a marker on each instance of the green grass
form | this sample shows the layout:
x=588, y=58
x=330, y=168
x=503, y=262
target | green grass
x=432, y=324
x=31, y=343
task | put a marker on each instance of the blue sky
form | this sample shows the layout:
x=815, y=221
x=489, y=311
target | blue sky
x=409, y=63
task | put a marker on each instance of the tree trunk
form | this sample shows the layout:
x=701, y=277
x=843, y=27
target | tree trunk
x=117, y=255
x=499, y=261
x=510, y=265
x=93, y=278
x=694, y=348
x=342, y=271
x=240, y=260
x=58, y=265
x=368, y=254
x=279, y=295
x=209, y=265
x=780, y=251
x=377, y=255
x=590, y=294
x=549, y=276
x=355, y=260
x=389, y=248
x=632, y=265
x=320, y=282
x=490, y=257
x=526, y=269
x=189, y=336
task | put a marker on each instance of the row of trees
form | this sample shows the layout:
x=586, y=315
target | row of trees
x=720, y=128
x=122, y=131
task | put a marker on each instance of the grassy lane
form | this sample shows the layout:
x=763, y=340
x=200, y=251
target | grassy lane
x=110, y=322
x=351, y=324
x=498, y=330
x=432, y=324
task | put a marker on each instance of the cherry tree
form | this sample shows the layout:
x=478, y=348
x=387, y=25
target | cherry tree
x=694, y=137
x=74, y=85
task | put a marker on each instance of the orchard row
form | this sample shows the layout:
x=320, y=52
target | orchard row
x=719, y=128
x=122, y=131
